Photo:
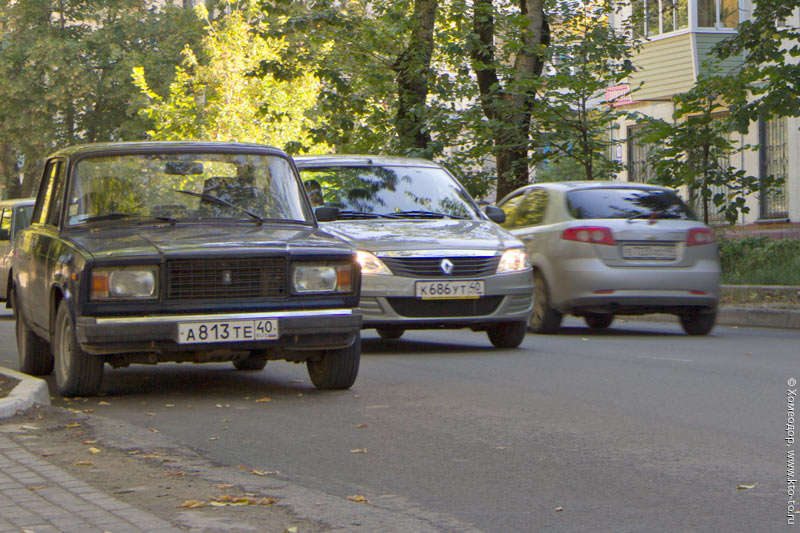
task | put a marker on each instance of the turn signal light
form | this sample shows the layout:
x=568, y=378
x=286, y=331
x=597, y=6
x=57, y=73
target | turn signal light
x=592, y=234
x=699, y=236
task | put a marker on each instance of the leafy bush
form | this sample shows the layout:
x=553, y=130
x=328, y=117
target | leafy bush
x=760, y=261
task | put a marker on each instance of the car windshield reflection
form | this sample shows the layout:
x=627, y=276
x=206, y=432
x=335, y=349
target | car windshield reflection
x=173, y=187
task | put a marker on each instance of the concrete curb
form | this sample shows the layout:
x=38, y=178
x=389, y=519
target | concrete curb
x=754, y=317
x=29, y=390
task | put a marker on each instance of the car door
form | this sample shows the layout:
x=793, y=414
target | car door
x=5, y=248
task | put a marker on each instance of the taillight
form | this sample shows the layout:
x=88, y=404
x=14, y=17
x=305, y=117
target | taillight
x=592, y=234
x=699, y=236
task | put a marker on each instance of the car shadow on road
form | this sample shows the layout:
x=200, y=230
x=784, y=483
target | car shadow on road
x=411, y=348
x=616, y=332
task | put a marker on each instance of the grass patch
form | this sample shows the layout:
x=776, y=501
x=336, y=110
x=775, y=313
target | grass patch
x=760, y=261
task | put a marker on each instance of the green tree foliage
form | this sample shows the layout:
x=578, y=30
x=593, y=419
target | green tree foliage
x=694, y=150
x=216, y=96
x=586, y=55
x=65, y=74
x=769, y=44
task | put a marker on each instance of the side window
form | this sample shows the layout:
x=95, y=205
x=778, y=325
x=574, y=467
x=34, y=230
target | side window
x=57, y=195
x=5, y=224
x=45, y=193
x=510, y=207
x=530, y=210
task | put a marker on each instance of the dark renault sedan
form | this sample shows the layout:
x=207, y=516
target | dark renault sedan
x=200, y=252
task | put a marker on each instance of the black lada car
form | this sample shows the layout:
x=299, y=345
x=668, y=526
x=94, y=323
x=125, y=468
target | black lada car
x=200, y=252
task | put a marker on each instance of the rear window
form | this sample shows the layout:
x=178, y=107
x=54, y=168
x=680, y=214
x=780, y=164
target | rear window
x=627, y=203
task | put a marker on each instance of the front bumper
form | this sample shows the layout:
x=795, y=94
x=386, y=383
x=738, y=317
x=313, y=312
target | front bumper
x=298, y=330
x=391, y=301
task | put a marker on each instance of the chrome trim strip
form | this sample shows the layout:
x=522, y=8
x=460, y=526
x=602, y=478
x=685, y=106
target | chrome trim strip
x=156, y=319
x=440, y=253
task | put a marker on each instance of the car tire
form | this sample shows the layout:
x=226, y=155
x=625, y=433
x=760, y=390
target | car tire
x=544, y=318
x=35, y=357
x=507, y=334
x=598, y=320
x=251, y=363
x=696, y=322
x=336, y=369
x=390, y=333
x=77, y=373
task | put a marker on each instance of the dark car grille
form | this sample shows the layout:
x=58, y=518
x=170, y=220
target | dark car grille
x=202, y=279
x=416, y=308
x=431, y=267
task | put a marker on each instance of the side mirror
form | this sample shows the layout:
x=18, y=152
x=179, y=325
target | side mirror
x=326, y=213
x=495, y=214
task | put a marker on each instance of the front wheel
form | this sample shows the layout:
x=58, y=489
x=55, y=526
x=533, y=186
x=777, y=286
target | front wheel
x=545, y=319
x=696, y=322
x=598, y=320
x=77, y=373
x=336, y=369
x=507, y=334
x=34, y=353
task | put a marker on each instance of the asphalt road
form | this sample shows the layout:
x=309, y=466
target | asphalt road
x=637, y=428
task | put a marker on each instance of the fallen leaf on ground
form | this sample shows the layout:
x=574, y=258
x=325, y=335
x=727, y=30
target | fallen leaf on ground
x=83, y=463
x=91, y=441
x=361, y=426
x=101, y=402
x=94, y=450
x=265, y=472
x=213, y=438
x=264, y=400
x=266, y=501
x=746, y=486
x=37, y=487
x=292, y=529
x=559, y=509
x=153, y=430
x=191, y=504
x=358, y=498
x=359, y=450
x=169, y=405
x=224, y=485
x=173, y=474
x=73, y=425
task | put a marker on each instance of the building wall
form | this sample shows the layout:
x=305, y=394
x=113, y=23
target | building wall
x=666, y=67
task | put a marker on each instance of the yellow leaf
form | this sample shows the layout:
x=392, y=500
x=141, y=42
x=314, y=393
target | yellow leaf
x=101, y=402
x=153, y=430
x=745, y=486
x=73, y=425
x=361, y=426
x=266, y=501
x=359, y=450
x=264, y=400
x=191, y=504
x=358, y=498
x=169, y=405
x=83, y=463
x=94, y=450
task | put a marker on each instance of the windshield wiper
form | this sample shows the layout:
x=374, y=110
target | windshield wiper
x=116, y=216
x=361, y=214
x=422, y=214
x=219, y=201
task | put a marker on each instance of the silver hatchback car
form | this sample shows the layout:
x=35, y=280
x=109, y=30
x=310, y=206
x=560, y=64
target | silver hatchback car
x=430, y=258
x=601, y=249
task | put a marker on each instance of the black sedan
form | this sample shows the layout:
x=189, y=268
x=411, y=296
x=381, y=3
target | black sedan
x=201, y=252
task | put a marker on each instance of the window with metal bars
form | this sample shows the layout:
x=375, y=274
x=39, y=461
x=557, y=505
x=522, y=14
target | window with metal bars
x=773, y=162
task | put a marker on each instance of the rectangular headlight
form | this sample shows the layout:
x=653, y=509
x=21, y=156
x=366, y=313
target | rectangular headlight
x=322, y=278
x=124, y=283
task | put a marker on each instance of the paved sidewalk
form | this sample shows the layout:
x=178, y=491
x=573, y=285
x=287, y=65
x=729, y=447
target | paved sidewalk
x=39, y=497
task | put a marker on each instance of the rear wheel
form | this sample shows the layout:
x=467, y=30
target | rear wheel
x=696, y=322
x=390, y=332
x=598, y=320
x=336, y=369
x=507, y=334
x=251, y=363
x=34, y=353
x=77, y=373
x=544, y=319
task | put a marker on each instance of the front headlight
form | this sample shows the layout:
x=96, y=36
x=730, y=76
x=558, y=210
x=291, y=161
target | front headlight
x=370, y=264
x=124, y=283
x=322, y=278
x=513, y=260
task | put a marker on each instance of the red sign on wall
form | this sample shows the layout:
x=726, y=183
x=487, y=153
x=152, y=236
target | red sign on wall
x=618, y=95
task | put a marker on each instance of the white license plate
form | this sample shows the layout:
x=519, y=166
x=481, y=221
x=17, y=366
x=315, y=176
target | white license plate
x=649, y=251
x=228, y=331
x=449, y=290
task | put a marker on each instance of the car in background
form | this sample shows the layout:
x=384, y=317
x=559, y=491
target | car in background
x=601, y=249
x=430, y=258
x=184, y=251
x=14, y=216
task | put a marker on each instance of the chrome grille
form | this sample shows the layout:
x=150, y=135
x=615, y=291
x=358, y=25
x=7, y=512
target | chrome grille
x=431, y=267
x=226, y=278
x=416, y=308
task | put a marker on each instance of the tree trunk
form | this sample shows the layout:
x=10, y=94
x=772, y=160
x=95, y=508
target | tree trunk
x=413, y=67
x=509, y=108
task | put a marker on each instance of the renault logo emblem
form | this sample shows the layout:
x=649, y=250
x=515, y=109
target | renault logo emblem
x=227, y=278
x=447, y=266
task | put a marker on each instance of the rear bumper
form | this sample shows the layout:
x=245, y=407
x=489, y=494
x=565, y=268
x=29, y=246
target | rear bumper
x=298, y=330
x=590, y=285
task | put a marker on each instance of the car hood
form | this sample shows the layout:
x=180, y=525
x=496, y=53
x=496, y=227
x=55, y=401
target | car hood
x=383, y=235
x=182, y=239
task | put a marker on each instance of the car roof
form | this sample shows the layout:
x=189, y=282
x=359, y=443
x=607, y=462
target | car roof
x=591, y=184
x=164, y=146
x=17, y=201
x=357, y=160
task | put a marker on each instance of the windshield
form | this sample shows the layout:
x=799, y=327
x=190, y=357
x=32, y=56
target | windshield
x=394, y=191
x=185, y=186
x=618, y=202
